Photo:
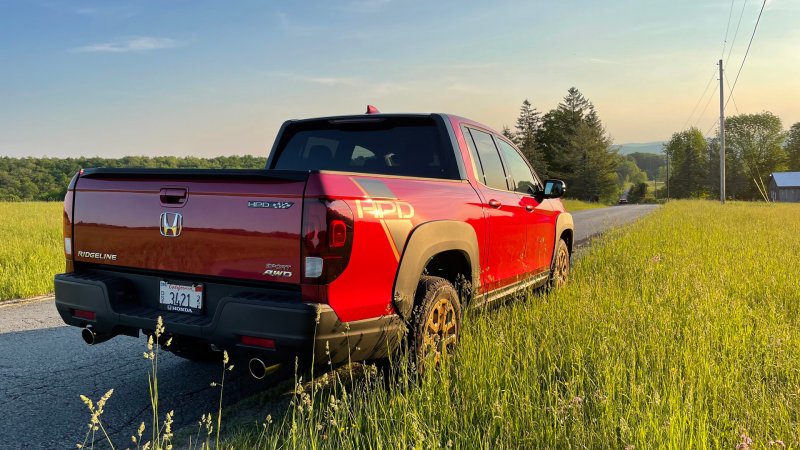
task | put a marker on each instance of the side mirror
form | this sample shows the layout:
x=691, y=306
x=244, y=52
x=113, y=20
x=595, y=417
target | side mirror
x=553, y=189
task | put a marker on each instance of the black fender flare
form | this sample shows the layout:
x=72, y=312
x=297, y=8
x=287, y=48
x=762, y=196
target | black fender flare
x=424, y=242
x=564, y=223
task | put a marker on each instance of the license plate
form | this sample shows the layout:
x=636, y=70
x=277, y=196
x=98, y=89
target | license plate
x=185, y=298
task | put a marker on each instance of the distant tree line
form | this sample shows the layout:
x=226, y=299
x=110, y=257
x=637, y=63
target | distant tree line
x=756, y=145
x=47, y=178
x=570, y=143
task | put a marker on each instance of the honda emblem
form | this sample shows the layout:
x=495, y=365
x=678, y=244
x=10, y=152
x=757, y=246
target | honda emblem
x=171, y=224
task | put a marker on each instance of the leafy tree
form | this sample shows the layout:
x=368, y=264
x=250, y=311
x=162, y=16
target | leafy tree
x=637, y=193
x=649, y=162
x=628, y=171
x=688, y=160
x=792, y=147
x=755, y=140
x=47, y=178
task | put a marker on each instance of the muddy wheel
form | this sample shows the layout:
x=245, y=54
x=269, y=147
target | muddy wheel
x=559, y=273
x=436, y=323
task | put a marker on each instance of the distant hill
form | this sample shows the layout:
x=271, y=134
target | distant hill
x=647, y=147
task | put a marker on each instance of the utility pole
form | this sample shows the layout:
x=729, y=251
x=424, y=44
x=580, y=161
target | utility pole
x=721, y=136
x=667, y=180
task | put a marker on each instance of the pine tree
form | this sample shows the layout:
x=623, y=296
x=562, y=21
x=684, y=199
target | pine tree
x=527, y=127
x=509, y=134
x=577, y=150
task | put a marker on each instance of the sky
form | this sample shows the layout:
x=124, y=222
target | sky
x=208, y=78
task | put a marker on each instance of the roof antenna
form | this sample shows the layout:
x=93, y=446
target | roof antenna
x=372, y=110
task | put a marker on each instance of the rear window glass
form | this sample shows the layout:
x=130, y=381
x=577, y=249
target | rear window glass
x=406, y=147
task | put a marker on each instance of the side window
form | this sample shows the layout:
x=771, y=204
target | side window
x=524, y=181
x=493, y=174
x=360, y=156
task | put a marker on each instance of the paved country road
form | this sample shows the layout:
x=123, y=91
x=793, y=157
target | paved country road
x=45, y=366
x=593, y=222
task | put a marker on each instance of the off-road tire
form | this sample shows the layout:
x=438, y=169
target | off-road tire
x=562, y=262
x=436, y=323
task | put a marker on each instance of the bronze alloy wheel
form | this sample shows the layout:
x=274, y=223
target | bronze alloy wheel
x=437, y=322
x=441, y=331
x=561, y=266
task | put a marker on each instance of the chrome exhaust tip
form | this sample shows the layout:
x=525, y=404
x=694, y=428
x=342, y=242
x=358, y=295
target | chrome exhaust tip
x=259, y=370
x=91, y=337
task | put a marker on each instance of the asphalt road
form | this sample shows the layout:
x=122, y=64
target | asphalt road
x=593, y=222
x=45, y=367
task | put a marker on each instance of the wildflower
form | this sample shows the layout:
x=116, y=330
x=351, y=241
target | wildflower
x=745, y=443
x=159, y=326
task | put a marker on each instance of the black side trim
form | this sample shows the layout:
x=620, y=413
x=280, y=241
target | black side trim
x=426, y=241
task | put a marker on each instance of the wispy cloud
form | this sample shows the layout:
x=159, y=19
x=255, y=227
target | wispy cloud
x=294, y=28
x=363, y=6
x=113, y=12
x=466, y=88
x=602, y=61
x=137, y=44
x=330, y=81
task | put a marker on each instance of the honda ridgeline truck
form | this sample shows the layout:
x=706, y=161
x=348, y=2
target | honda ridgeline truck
x=363, y=231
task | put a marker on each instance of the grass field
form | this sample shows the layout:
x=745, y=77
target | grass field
x=682, y=331
x=32, y=249
x=577, y=205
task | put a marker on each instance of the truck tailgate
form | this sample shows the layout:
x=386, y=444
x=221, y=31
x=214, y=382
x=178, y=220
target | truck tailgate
x=237, y=224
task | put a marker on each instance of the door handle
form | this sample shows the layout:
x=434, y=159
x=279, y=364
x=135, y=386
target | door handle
x=174, y=196
x=529, y=208
x=494, y=203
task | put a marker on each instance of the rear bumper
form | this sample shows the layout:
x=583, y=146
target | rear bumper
x=126, y=303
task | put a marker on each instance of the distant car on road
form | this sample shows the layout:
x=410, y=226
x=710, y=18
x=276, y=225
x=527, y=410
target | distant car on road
x=623, y=201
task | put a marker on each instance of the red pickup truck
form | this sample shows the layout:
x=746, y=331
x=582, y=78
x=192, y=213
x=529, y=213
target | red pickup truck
x=363, y=232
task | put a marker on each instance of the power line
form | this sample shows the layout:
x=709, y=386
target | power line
x=702, y=114
x=727, y=28
x=748, y=49
x=736, y=33
x=730, y=95
x=699, y=100
x=708, y=131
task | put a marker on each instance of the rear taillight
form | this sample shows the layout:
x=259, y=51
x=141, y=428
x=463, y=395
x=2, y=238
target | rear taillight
x=257, y=342
x=69, y=201
x=327, y=239
x=83, y=314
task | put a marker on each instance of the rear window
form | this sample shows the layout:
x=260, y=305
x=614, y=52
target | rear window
x=413, y=147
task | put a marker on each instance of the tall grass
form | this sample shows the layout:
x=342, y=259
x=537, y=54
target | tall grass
x=679, y=332
x=32, y=248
